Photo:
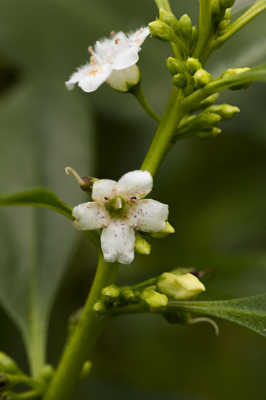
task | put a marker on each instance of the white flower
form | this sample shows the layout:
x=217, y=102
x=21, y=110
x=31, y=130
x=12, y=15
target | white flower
x=119, y=208
x=113, y=60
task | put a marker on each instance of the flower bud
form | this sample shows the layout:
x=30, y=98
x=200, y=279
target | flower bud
x=208, y=119
x=168, y=229
x=217, y=10
x=153, y=298
x=47, y=373
x=8, y=365
x=209, y=133
x=142, y=246
x=86, y=369
x=123, y=80
x=174, y=66
x=111, y=292
x=180, y=81
x=180, y=287
x=231, y=72
x=99, y=307
x=193, y=64
x=209, y=100
x=161, y=31
x=201, y=78
x=226, y=111
x=185, y=24
x=127, y=294
x=195, y=34
x=169, y=18
x=227, y=3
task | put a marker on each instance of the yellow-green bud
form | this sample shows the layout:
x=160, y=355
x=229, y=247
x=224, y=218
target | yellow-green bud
x=180, y=81
x=111, y=292
x=208, y=119
x=127, y=294
x=223, y=25
x=231, y=72
x=161, y=31
x=153, y=298
x=209, y=133
x=169, y=18
x=8, y=365
x=216, y=8
x=180, y=287
x=174, y=66
x=201, y=78
x=195, y=34
x=185, y=24
x=209, y=100
x=193, y=64
x=47, y=373
x=86, y=369
x=142, y=246
x=99, y=307
x=226, y=111
x=168, y=229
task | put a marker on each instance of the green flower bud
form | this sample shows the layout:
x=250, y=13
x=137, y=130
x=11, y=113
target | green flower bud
x=169, y=18
x=209, y=133
x=201, y=78
x=223, y=25
x=111, y=292
x=226, y=111
x=180, y=81
x=86, y=369
x=208, y=119
x=128, y=294
x=180, y=287
x=195, y=34
x=153, y=298
x=185, y=24
x=8, y=365
x=229, y=73
x=165, y=232
x=193, y=64
x=161, y=31
x=227, y=3
x=174, y=66
x=209, y=100
x=47, y=373
x=216, y=9
x=142, y=246
x=99, y=307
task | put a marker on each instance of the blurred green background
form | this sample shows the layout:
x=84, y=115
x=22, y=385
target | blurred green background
x=216, y=191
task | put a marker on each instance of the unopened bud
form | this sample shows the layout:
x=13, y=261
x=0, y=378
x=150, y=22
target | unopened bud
x=193, y=64
x=153, y=298
x=231, y=72
x=127, y=294
x=227, y=3
x=99, y=307
x=174, y=66
x=208, y=119
x=47, y=373
x=209, y=133
x=209, y=100
x=111, y=292
x=217, y=10
x=86, y=369
x=168, y=229
x=185, y=24
x=169, y=18
x=142, y=246
x=180, y=287
x=202, y=78
x=195, y=34
x=226, y=111
x=8, y=365
x=180, y=81
x=161, y=31
x=123, y=80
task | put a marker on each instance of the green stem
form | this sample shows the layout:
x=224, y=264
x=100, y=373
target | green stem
x=33, y=394
x=205, y=25
x=84, y=337
x=163, y=4
x=138, y=93
x=238, y=24
x=162, y=139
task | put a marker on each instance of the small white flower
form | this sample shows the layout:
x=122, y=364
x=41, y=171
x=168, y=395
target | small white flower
x=119, y=208
x=113, y=60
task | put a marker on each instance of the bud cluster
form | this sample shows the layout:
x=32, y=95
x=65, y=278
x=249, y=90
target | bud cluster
x=179, y=284
x=221, y=14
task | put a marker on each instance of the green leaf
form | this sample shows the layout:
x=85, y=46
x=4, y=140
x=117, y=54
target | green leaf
x=38, y=197
x=44, y=128
x=248, y=311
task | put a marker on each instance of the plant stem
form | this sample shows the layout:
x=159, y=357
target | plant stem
x=138, y=93
x=163, y=4
x=84, y=337
x=205, y=25
x=162, y=139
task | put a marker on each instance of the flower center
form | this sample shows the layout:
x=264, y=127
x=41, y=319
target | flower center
x=117, y=207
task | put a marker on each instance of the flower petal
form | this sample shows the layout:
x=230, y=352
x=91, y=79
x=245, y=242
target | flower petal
x=102, y=190
x=135, y=184
x=89, y=77
x=149, y=215
x=89, y=216
x=139, y=36
x=126, y=58
x=117, y=242
x=122, y=80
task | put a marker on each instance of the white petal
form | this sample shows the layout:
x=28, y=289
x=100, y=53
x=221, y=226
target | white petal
x=139, y=36
x=89, y=216
x=102, y=190
x=89, y=77
x=149, y=215
x=118, y=241
x=135, y=184
x=122, y=80
x=126, y=58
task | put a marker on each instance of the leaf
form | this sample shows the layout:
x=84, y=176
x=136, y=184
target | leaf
x=39, y=197
x=248, y=311
x=43, y=129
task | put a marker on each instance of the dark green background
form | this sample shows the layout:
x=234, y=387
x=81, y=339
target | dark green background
x=216, y=191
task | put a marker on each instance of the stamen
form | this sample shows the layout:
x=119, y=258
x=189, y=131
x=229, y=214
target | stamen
x=205, y=319
x=69, y=170
x=91, y=51
x=112, y=33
